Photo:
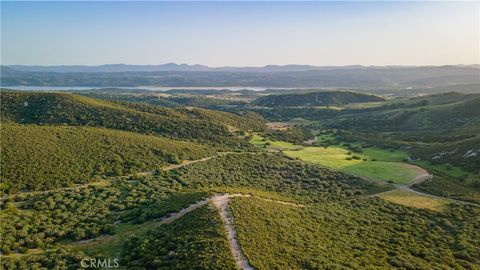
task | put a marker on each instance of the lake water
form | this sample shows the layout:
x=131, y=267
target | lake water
x=151, y=88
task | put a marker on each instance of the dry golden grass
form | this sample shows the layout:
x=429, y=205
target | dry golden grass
x=278, y=125
x=414, y=200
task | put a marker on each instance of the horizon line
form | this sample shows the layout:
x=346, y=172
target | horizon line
x=247, y=66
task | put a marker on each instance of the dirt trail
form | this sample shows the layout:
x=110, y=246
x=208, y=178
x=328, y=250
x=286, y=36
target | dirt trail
x=221, y=202
x=173, y=216
x=176, y=166
x=217, y=200
x=422, y=176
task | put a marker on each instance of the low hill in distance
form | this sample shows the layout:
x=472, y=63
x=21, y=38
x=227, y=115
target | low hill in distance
x=301, y=77
x=315, y=99
x=438, y=112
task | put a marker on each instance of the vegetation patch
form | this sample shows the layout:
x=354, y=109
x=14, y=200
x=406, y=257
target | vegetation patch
x=196, y=239
x=361, y=234
x=274, y=173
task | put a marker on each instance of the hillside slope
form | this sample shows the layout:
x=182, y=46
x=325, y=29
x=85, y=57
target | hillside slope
x=44, y=157
x=429, y=114
x=315, y=99
x=68, y=109
x=464, y=153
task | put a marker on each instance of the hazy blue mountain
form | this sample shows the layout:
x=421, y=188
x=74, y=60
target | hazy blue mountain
x=186, y=67
x=271, y=77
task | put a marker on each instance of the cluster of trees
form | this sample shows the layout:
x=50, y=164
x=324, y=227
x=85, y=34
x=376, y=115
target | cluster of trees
x=46, y=219
x=359, y=234
x=41, y=221
x=197, y=240
x=61, y=258
x=46, y=157
x=295, y=135
x=270, y=172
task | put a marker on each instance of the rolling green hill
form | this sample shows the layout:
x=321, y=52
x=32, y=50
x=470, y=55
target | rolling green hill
x=162, y=99
x=45, y=157
x=464, y=153
x=68, y=109
x=315, y=99
x=438, y=112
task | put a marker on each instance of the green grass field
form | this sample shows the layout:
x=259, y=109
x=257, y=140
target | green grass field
x=388, y=171
x=336, y=158
x=384, y=155
x=381, y=164
x=278, y=145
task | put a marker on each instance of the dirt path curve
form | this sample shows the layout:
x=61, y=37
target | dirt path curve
x=422, y=174
x=221, y=203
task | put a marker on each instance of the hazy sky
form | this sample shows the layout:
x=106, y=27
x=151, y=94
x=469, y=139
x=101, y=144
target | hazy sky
x=240, y=33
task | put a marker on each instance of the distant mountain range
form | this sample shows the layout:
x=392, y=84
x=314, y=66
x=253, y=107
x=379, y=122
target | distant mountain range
x=289, y=76
x=192, y=68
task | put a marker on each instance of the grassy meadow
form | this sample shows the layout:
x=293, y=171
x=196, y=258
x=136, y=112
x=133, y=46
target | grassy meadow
x=375, y=163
